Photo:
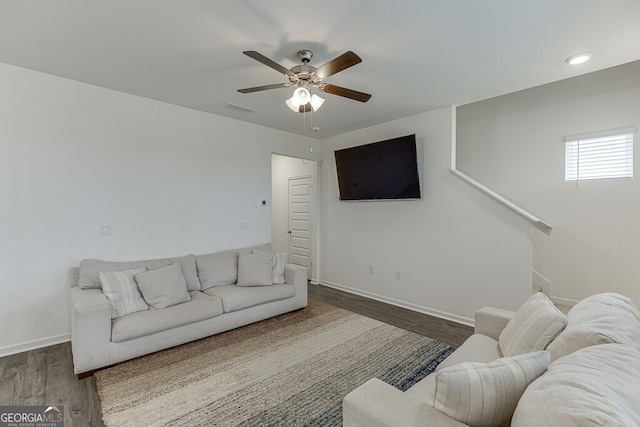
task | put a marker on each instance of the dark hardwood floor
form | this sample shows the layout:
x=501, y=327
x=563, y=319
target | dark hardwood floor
x=45, y=376
x=434, y=327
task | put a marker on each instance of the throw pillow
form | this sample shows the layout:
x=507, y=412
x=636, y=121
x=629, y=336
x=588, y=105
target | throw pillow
x=188, y=263
x=255, y=269
x=221, y=268
x=91, y=268
x=217, y=269
x=121, y=290
x=533, y=326
x=265, y=247
x=599, y=319
x=486, y=394
x=163, y=287
x=279, y=260
x=594, y=386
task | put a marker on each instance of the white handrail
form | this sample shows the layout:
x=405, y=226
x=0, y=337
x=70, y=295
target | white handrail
x=526, y=215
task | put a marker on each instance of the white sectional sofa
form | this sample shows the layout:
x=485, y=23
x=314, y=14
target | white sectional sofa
x=180, y=300
x=532, y=367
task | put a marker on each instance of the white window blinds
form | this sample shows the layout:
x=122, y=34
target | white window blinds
x=600, y=155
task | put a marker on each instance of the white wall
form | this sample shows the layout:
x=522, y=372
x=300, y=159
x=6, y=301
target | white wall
x=514, y=144
x=170, y=180
x=457, y=250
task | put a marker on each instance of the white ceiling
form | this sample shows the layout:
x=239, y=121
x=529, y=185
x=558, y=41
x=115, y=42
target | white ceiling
x=417, y=55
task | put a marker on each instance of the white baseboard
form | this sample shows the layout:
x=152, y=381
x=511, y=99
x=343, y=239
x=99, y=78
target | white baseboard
x=32, y=345
x=425, y=310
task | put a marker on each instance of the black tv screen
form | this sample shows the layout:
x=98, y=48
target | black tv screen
x=379, y=171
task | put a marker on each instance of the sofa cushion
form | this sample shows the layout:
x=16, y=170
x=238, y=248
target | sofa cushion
x=121, y=290
x=221, y=268
x=533, y=326
x=598, y=319
x=476, y=348
x=236, y=298
x=163, y=287
x=200, y=307
x=255, y=269
x=90, y=268
x=486, y=394
x=595, y=386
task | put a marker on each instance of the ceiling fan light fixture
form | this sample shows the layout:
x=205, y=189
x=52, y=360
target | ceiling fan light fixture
x=302, y=96
x=316, y=102
x=293, y=104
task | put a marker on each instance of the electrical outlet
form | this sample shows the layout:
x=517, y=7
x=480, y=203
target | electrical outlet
x=398, y=275
x=371, y=269
x=105, y=229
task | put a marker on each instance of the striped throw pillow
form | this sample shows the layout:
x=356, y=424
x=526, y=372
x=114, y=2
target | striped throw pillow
x=122, y=291
x=533, y=326
x=486, y=394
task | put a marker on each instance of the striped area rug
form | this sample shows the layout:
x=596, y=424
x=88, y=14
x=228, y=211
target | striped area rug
x=291, y=370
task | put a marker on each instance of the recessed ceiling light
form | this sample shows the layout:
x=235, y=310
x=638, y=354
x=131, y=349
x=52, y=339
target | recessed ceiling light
x=578, y=59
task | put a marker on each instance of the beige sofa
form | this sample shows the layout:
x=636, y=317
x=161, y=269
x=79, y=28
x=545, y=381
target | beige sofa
x=532, y=367
x=180, y=300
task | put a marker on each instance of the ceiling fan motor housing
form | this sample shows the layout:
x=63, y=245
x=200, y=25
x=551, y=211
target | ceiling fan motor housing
x=305, y=55
x=303, y=72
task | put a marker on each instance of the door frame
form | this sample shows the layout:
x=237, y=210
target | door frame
x=280, y=195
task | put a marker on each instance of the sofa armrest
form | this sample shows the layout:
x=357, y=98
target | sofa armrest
x=490, y=321
x=295, y=274
x=90, y=329
x=378, y=404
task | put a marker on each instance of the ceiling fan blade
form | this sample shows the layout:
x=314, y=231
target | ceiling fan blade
x=268, y=62
x=347, y=93
x=265, y=87
x=342, y=62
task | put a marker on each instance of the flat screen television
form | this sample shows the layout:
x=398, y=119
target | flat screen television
x=384, y=170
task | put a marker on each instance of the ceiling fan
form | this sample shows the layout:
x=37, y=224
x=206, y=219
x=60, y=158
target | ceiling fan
x=304, y=77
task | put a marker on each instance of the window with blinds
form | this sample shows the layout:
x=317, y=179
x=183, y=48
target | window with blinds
x=600, y=155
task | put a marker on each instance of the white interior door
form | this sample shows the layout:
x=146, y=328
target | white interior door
x=301, y=222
